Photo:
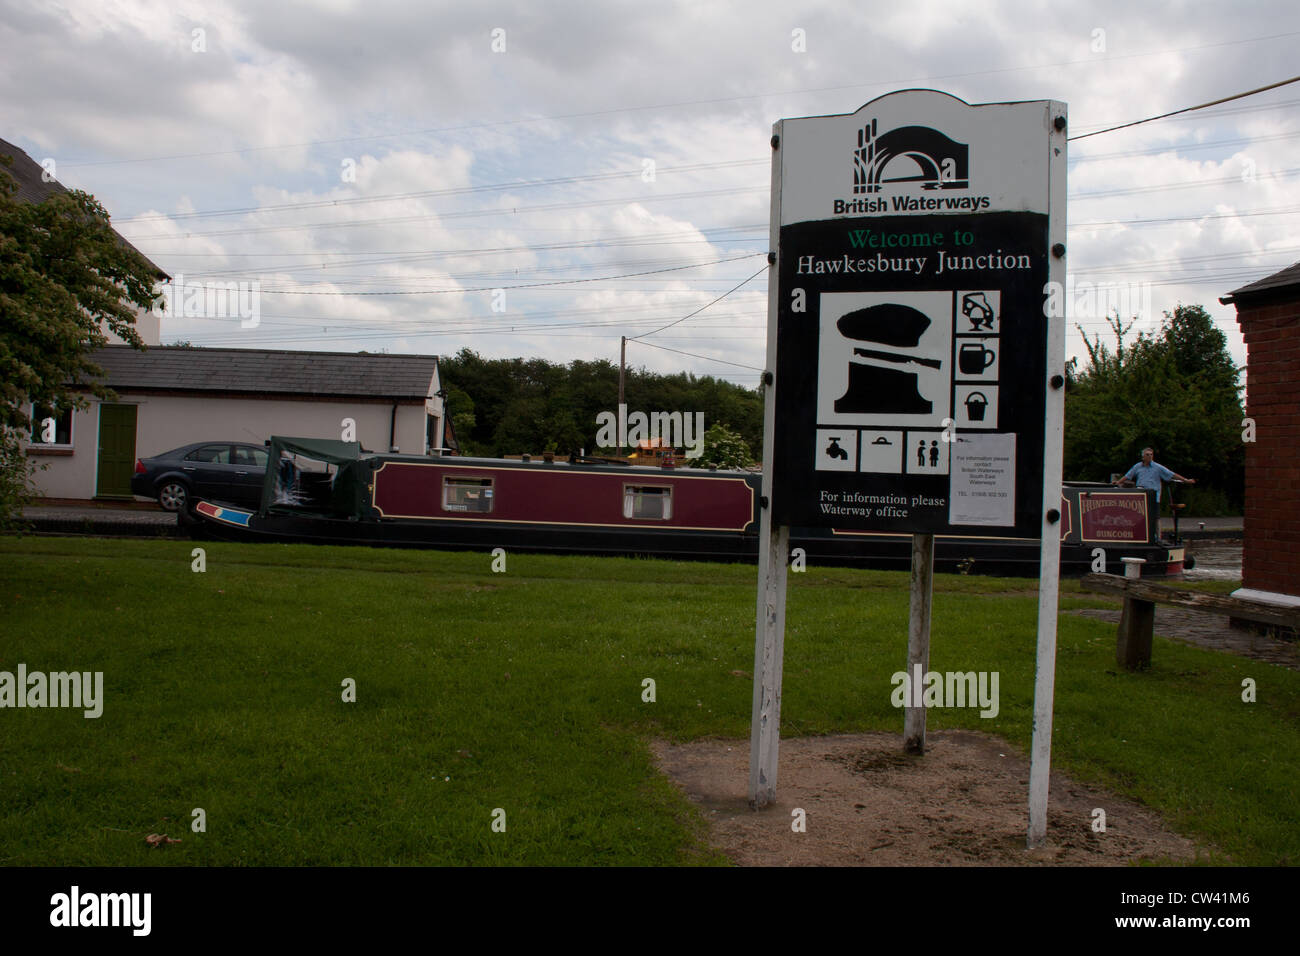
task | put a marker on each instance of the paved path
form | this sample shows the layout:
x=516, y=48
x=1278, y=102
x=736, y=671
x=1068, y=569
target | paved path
x=90, y=519
x=1213, y=562
x=1211, y=524
x=1211, y=631
x=124, y=515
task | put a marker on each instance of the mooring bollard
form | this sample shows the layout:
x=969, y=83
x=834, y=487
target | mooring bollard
x=1136, y=623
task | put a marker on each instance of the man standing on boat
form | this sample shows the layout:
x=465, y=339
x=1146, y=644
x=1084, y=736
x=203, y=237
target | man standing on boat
x=1150, y=474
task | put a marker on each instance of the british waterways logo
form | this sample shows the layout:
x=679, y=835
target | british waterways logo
x=904, y=156
x=909, y=154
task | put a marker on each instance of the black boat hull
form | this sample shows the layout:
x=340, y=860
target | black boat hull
x=986, y=556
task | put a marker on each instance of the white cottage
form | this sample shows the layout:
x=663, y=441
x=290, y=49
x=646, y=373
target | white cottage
x=172, y=396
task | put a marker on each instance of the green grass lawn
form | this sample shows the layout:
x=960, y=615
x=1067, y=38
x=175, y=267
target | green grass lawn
x=523, y=691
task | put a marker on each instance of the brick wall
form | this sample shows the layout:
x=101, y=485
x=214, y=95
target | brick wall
x=1271, y=561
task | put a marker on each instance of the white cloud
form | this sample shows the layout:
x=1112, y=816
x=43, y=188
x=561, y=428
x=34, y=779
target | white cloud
x=415, y=97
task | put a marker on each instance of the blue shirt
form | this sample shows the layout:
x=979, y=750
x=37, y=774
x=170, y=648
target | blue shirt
x=1150, y=476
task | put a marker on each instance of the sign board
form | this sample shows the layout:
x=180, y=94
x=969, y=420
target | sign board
x=912, y=347
x=915, y=363
x=1110, y=517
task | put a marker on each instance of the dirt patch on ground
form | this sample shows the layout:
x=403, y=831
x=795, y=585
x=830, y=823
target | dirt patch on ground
x=868, y=804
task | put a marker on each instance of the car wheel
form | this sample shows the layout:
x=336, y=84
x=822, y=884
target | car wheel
x=174, y=496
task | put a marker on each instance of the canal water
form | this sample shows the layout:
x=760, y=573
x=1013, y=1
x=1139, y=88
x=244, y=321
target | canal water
x=1214, y=562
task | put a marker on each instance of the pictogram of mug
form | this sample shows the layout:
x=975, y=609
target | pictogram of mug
x=973, y=358
x=975, y=405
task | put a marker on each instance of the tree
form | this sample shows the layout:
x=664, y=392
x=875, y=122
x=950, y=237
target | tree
x=1176, y=391
x=724, y=448
x=459, y=407
x=1200, y=350
x=531, y=405
x=65, y=275
x=15, y=479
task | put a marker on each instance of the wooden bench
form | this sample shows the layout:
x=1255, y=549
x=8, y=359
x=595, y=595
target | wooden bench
x=1137, y=620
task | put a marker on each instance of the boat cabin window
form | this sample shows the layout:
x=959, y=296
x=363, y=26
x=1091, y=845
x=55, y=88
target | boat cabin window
x=645, y=501
x=467, y=494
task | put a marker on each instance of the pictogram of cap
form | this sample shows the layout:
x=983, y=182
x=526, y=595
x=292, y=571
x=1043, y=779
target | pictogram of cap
x=889, y=324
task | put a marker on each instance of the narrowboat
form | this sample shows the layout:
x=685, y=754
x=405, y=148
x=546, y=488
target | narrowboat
x=333, y=492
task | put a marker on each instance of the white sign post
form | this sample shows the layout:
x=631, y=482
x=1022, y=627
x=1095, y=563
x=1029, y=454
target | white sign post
x=1049, y=562
x=914, y=379
x=918, y=638
x=773, y=550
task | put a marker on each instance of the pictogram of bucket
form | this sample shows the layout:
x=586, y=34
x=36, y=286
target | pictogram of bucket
x=975, y=405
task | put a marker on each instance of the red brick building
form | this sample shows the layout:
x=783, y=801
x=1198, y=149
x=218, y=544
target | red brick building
x=1268, y=312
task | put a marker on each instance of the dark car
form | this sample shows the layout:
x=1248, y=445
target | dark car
x=219, y=470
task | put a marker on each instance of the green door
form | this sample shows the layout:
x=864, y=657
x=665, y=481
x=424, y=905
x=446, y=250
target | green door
x=116, y=451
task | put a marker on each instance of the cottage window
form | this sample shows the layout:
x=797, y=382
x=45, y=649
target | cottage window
x=42, y=432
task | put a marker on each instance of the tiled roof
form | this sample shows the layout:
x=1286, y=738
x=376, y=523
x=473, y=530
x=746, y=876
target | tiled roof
x=33, y=188
x=344, y=374
x=1290, y=276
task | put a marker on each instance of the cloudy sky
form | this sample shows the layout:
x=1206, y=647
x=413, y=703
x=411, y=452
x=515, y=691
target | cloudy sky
x=380, y=168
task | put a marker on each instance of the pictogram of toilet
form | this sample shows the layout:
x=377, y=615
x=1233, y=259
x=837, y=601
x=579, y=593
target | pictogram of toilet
x=975, y=405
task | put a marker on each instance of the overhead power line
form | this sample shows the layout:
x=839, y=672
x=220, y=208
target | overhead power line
x=695, y=355
x=1104, y=193
x=320, y=253
x=528, y=285
x=1183, y=147
x=337, y=268
x=594, y=177
x=547, y=207
x=449, y=191
x=1268, y=211
x=703, y=307
x=386, y=221
x=1189, y=109
x=1091, y=60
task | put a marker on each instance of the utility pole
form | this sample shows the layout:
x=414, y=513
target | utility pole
x=622, y=368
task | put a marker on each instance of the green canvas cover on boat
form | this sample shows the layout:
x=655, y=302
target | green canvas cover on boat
x=288, y=487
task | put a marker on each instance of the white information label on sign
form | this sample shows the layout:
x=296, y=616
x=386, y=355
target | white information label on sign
x=884, y=359
x=983, y=490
